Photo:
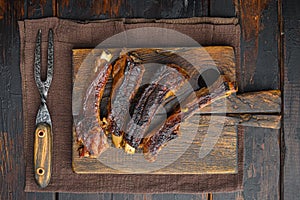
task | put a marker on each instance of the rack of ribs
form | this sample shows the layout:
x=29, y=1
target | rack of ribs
x=132, y=104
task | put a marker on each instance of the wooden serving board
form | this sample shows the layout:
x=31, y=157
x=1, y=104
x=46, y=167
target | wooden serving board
x=194, y=155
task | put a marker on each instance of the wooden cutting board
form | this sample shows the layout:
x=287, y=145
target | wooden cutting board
x=208, y=141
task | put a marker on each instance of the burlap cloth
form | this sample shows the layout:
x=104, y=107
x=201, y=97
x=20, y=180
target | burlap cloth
x=69, y=35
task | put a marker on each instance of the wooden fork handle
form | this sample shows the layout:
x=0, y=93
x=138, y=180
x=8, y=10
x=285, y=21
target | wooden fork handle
x=42, y=154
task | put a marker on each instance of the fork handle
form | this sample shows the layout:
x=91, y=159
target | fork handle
x=43, y=154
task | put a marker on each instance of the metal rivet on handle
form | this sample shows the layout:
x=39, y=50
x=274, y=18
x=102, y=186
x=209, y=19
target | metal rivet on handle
x=40, y=171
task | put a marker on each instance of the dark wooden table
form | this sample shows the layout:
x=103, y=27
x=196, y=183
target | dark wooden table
x=270, y=60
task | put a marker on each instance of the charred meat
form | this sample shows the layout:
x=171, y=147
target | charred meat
x=170, y=129
x=124, y=98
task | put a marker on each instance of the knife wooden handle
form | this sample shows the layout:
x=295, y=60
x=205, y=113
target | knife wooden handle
x=42, y=154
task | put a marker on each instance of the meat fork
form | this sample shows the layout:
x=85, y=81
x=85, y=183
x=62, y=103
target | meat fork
x=43, y=130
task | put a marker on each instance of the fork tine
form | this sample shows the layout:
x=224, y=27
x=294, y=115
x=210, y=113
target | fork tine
x=50, y=58
x=37, y=60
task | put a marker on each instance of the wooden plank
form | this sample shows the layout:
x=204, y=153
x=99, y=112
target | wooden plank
x=220, y=8
x=37, y=8
x=131, y=9
x=291, y=112
x=228, y=196
x=9, y=58
x=116, y=196
x=260, y=121
x=40, y=195
x=250, y=102
x=2, y=9
x=12, y=176
x=126, y=196
x=70, y=196
x=259, y=57
x=178, y=196
x=259, y=24
x=261, y=166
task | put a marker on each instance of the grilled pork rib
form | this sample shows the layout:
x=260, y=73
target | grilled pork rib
x=121, y=101
x=90, y=134
x=170, y=128
x=165, y=80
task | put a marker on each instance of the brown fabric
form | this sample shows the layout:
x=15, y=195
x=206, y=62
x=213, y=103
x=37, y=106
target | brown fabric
x=69, y=35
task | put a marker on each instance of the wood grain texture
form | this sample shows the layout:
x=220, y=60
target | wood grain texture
x=116, y=196
x=104, y=9
x=291, y=114
x=178, y=197
x=250, y=102
x=261, y=167
x=12, y=175
x=39, y=196
x=43, y=154
x=259, y=24
x=2, y=9
x=69, y=196
x=229, y=196
x=262, y=164
x=260, y=32
x=40, y=8
x=219, y=8
x=223, y=158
